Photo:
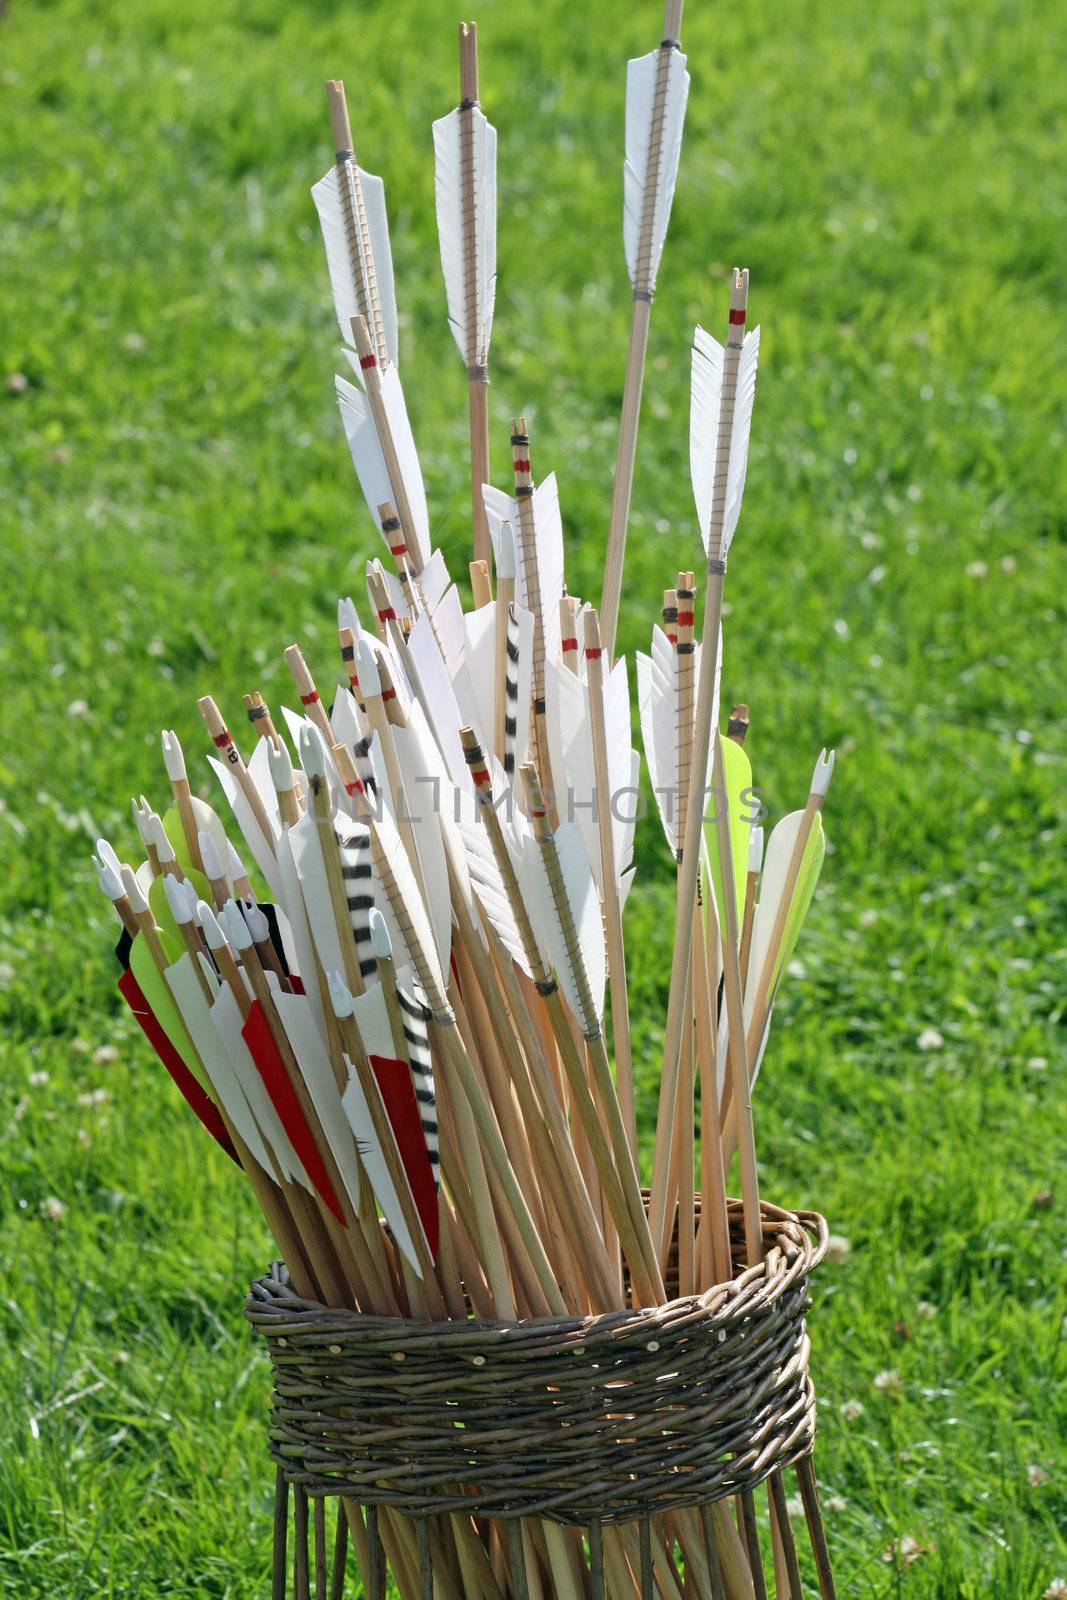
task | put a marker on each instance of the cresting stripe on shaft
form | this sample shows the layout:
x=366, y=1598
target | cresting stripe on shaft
x=309, y=699
x=475, y=759
x=422, y=1078
x=511, y=691
x=223, y=739
x=568, y=644
x=356, y=868
x=368, y=361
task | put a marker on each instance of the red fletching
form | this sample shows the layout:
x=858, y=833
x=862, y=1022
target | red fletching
x=271, y=1068
x=196, y=1097
x=405, y=1119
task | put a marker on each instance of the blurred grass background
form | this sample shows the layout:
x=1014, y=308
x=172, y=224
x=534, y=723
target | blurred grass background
x=177, y=504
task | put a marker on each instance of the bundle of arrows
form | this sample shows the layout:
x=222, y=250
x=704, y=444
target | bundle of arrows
x=392, y=985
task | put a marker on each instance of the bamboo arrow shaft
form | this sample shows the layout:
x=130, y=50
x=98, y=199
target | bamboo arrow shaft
x=640, y=318
x=625, y=458
x=687, y=885
x=476, y=353
x=357, y=231
x=735, y=1016
x=372, y=368
x=620, y=1004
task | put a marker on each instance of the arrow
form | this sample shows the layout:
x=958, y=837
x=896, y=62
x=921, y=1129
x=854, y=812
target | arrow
x=657, y=87
x=537, y=529
x=465, y=190
x=382, y=446
x=726, y=433
x=355, y=232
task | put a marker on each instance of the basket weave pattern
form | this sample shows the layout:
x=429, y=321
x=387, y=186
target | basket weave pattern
x=578, y=1418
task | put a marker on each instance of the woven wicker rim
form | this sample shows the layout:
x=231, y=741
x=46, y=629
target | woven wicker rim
x=575, y=1418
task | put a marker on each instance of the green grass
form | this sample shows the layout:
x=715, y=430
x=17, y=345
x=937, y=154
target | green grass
x=178, y=505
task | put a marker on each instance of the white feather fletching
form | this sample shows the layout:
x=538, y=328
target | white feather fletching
x=570, y=735
x=772, y=887
x=357, y=1111
x=438, y=699
x=315, y=1069
x=226, y=1016
x=347, y=300
x=740, y=434
x=657, y=699
x=405, y=905
x=584, y=903
x=540, y=569
x=426, y=801
x=296, y=932
x=485, y=879
x=704, y=409
x=306, y=847
x=471, y=333
x=369, y=461
x=434, y=580
x=189, y=998
x=480, y=626
x=654, y=131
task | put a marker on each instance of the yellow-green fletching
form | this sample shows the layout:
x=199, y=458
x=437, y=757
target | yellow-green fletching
x=160, y=905
x=807, y=878
x=207, y=821
x=737, y=771
x=155, y=990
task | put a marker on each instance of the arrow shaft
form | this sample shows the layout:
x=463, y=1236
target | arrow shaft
x=625, y=458
x=735, y=1016
x=357, y=231
x=620, y=1005
x=686, y=903
x=371, y=367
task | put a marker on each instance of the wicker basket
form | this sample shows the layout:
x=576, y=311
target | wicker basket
x=580, y=1420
